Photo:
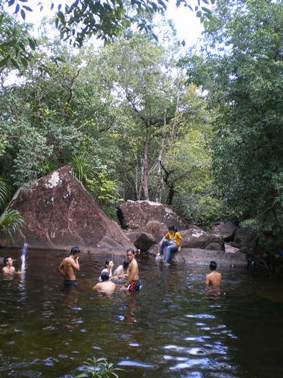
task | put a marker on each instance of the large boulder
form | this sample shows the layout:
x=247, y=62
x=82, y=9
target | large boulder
x=136, y=214
x=59, y=213
x=195, y=237
x=157, y=230
x=225, y=229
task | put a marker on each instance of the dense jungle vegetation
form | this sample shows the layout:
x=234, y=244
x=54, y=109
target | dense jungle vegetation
x=142, y=117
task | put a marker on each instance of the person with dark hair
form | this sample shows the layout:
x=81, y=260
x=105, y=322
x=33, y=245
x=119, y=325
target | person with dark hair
x=8, y=266
x=105, y=286
x=172, y=241
x=122, y=270
x=108, y=267
x=67, y=266
x=214, y=278
x=132, y=284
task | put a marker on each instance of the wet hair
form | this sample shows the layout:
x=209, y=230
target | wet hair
x=213, y=265
x=131, y=250
x=75, y=250
x=104, y=276
x=126, y=264
x=172, y=228
x=5, y=260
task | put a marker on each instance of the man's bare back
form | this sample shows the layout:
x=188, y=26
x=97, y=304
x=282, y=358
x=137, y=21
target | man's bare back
x=214, y=278
x=105, y=287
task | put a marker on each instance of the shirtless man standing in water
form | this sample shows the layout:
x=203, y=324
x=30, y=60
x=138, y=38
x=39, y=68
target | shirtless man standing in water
x=132, y=284
x=214, y=278
x=67, y=266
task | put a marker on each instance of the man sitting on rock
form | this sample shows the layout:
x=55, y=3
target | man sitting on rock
x=214, y=278
x=172, y=241
x=105, y=286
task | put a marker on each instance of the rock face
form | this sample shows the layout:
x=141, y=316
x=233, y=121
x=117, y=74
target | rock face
x=203, y=256
x=59, y=213
x=225, y=229
x=136, y=214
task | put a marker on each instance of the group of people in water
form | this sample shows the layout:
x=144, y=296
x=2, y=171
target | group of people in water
x=129, y=270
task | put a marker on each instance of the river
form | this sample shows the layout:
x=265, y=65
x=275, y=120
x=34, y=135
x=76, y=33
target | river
x=174, y=327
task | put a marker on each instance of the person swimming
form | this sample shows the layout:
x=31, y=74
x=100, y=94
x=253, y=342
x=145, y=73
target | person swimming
x=8, y=266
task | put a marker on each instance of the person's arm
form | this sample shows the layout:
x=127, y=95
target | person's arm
x=75, y=263
x=61, y=269
x=180, y=244
x=207, y=280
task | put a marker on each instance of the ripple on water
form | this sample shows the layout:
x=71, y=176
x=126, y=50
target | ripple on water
x=135, y=364
x=200, y=316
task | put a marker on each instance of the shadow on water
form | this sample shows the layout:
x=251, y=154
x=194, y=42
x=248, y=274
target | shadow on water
x=175, y=327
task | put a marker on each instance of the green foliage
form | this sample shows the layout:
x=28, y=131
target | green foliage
x=242, y=70
x=17, y=45
x=99, y=368
x=4, y=193
x=10, y=222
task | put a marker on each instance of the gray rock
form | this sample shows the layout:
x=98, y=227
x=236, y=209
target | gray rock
x=136, y=214
x=224, y=229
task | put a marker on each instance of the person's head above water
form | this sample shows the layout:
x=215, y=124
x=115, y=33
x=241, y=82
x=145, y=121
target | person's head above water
x=130, y=254
x=172, y=229
x=8, y=261
x=104, y=276
x=212, y=265
x=109, y=264
x=75, y=251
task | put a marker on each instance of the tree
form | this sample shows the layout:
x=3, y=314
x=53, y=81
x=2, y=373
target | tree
x=243, y=73
x=106, y=20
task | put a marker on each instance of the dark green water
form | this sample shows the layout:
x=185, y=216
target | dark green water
x=172, y=328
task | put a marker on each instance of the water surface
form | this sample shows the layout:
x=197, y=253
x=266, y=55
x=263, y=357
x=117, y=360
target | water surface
x=173, y=328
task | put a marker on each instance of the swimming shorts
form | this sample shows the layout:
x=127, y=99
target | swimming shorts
x=72, y=283
x=134, y=286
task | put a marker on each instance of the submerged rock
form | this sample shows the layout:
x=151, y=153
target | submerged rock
x=137, y=214
x=59, y=213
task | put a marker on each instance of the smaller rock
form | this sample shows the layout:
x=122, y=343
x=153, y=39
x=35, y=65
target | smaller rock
x=224, y=229
x=142, y=240
x=214, y=247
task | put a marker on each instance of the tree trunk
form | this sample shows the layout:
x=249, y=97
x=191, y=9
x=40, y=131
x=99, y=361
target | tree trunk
x=145, y=165
x=170, y=195
x=159, y=178
x=177, y=106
